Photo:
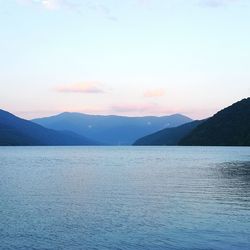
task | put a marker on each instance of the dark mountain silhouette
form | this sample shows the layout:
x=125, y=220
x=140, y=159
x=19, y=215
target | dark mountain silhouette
x=168, y=136
x=229, y=127
x=111, y=130
x=16, y=131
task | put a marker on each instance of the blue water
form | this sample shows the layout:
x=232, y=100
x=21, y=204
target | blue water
x=124, y=198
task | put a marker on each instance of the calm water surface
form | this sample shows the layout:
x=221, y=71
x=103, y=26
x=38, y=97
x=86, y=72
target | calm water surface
x=124, y=198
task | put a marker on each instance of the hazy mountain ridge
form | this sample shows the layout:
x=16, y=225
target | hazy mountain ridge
x=111, y=129
x=20, y=132
x=168, y=136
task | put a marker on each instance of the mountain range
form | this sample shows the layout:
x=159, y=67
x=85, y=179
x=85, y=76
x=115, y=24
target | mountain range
x=111, y=129
x=19, y=132
x=228, y=127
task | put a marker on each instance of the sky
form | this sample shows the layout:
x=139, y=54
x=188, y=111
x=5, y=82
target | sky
x=133, y=57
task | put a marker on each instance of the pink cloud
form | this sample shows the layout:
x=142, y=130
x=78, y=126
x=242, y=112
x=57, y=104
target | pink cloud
x=84, y=87
x=127, y=108
x=140, y=109
x=154, y=93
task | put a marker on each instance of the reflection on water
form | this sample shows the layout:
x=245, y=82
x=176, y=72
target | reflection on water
x=125, y=198
x=234, y=181
x=239, y=170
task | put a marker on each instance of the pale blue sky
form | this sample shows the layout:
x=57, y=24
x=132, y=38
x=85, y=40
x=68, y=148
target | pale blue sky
x=134, y=57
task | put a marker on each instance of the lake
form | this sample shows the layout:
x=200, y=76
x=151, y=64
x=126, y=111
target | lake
x=125, y=198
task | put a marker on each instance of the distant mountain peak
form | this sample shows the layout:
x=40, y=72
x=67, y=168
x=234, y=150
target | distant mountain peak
x=17, y=131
